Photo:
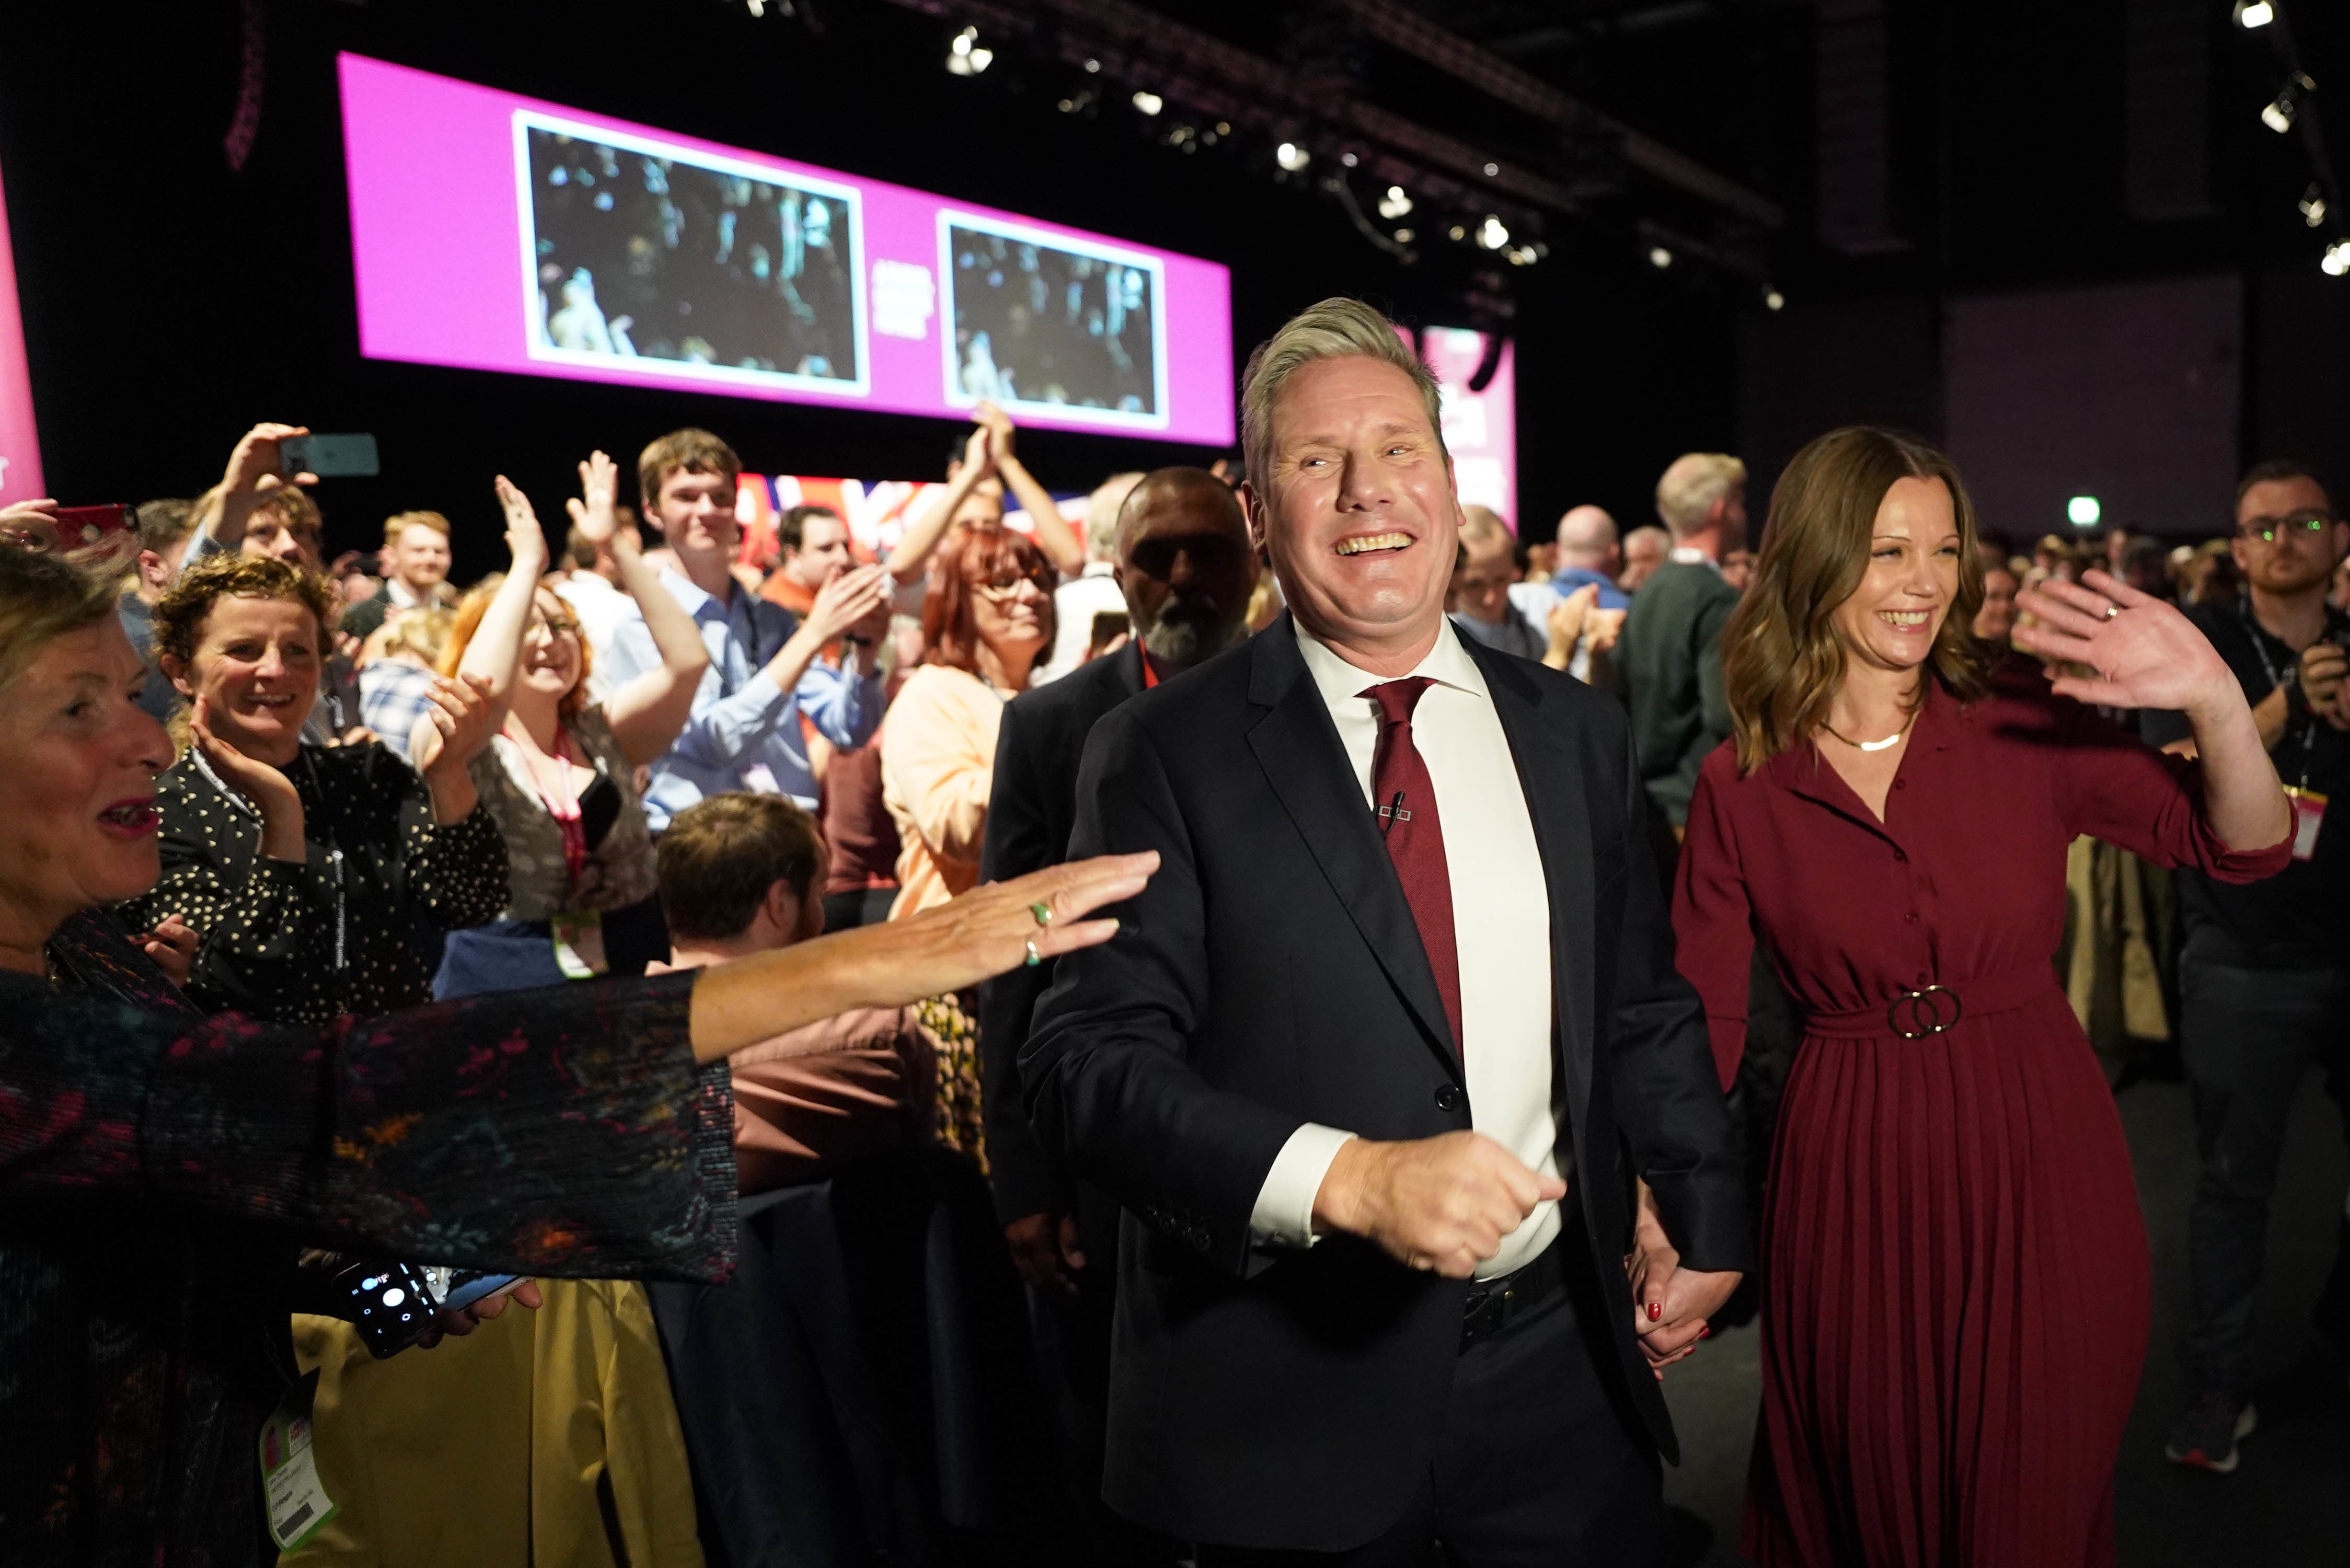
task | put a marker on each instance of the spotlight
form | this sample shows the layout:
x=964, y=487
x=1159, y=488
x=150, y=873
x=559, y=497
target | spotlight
x=1150, y=103
x=1348, y=159
x=1660, y=258
x=1292, y=157
x=2278, y=116
x=1093, y=67
x=2083, y=511
x=2336, y=260
x=1523, y=256
x=965, y=57
x=1457, y=232
x=1394, y=203
x=1491, y=170
x=2252, y=14
x=1492, y=234
x=1774, y=300
x=1404, y=236
x=2313, y=207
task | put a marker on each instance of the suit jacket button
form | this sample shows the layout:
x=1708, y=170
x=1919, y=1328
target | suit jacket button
x=1450, y=1099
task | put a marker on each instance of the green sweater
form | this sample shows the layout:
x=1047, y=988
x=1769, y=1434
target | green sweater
x=1670, y=658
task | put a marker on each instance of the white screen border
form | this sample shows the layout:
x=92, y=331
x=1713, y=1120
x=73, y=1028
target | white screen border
x=950, y=380
x=526, y=120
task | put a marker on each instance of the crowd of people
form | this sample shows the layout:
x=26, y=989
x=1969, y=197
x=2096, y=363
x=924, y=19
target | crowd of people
x=1517, y=944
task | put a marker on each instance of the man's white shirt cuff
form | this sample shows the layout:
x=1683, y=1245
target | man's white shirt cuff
x=1284, y=1215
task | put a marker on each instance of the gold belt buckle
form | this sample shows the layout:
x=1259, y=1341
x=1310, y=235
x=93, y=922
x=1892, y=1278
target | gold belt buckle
x=1926, y=1010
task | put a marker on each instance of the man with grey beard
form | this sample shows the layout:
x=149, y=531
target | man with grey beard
x=1185, y=567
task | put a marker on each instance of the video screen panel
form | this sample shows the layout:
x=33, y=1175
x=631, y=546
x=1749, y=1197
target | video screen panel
x=1044, y=322
x=636, y=253
x=494, y=232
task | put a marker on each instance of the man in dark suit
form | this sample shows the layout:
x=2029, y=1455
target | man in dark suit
x=1403, y=983
x=1182, y=561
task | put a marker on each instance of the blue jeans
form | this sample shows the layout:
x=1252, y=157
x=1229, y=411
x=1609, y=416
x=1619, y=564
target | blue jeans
x=2247, y=1036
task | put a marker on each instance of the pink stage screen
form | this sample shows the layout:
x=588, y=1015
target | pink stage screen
x=20, y=447
x=1480, y=429
x=498, y=232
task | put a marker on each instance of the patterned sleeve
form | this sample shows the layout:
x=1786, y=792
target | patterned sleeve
x=457, y=870
x=566, y=1132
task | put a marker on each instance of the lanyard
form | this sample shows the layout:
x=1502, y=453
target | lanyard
x=2258, y=637
x=561, y=797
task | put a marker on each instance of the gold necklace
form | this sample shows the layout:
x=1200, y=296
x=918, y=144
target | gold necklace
x=1873, y=745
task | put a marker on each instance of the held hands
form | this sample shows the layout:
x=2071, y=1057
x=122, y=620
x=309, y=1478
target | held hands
x=1441, y=1204
x=594, y=511
x=1044, y=1250
x=1671, y=1304
x=525, y=540
x=2143, y=652
x=1568, y=619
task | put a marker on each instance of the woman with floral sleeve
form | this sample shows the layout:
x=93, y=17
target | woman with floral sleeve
x=159, y=1170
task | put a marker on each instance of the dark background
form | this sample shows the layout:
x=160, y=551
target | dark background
x=1927, y=154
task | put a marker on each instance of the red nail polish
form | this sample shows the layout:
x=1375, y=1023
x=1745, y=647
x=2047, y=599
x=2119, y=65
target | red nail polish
x=1705, y=1333
x=1656, y=1311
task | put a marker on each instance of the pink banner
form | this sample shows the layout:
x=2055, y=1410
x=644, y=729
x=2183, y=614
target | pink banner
x=1480, y=429
x=20, y=445
x=500, y=233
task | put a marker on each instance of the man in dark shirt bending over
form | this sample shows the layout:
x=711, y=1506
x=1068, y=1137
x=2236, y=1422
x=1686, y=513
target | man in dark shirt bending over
x=2264, y=979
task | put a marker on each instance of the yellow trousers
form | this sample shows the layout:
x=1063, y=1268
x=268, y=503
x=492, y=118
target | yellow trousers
x=489, y=1452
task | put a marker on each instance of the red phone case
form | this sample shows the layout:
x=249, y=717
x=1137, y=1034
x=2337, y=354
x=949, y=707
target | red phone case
x=81, y=526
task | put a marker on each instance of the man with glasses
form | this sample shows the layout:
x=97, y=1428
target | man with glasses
x=2264, y=978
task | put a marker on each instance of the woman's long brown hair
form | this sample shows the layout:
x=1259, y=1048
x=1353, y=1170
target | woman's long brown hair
x=1783, y=658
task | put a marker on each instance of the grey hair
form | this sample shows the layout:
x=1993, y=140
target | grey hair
x=1336, y=328
x=1686, y=494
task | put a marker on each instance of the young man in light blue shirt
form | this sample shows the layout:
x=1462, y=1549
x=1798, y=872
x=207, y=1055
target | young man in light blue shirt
x=769, y=668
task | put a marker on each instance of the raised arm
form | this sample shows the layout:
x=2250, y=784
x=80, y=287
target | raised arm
x=1059, y=541
x=911, y=559
x=495, y=651
x=649, y=711
x=2145, y=654
x=252, y=471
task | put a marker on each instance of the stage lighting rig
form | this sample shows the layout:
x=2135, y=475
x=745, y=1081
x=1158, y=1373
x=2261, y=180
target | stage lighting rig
x=1293, y=157
x=2336, y=259
x=1395, y=204
x=1148, y=104
x=2279, y=114
x=2251, y=14
x=2295, y=108
x=1774, y=300
x=2313, y=207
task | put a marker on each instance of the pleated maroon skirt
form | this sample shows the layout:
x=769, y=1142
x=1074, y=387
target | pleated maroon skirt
x=1956, y=1297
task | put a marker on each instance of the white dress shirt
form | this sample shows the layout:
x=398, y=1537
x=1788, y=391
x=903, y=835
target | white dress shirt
x=1074, y=605
x=1501, y=924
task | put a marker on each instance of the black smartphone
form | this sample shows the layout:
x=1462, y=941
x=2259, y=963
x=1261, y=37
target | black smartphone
x=329, y=456
x=1107, y=628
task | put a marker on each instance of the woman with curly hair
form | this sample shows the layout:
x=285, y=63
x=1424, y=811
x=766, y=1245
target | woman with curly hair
x=1955, y=1283
x=319, y=878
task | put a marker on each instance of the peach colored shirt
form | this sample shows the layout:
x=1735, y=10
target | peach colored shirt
x=938, y=764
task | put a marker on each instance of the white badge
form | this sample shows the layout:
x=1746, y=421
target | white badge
x=298, y=1505
x=760, y=779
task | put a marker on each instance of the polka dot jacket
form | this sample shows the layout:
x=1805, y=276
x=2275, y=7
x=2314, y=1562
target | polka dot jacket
x=355, y=927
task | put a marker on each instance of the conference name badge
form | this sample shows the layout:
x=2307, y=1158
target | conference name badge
x=2308, y=816
x=298, y=1505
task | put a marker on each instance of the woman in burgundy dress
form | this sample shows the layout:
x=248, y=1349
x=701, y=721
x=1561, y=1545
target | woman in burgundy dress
x=1956, y=1279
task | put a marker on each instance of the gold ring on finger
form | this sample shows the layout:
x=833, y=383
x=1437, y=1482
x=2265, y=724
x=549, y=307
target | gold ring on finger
x=1043, y=911
x=1035, y=958
x=2112, y=610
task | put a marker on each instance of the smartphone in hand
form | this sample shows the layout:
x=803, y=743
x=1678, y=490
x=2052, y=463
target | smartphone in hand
x=329, y=456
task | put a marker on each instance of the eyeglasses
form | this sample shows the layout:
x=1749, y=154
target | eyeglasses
x=1003, y=591
x=2300, y=525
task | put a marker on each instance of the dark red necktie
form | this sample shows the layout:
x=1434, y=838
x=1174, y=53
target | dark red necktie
x=1407, y=819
